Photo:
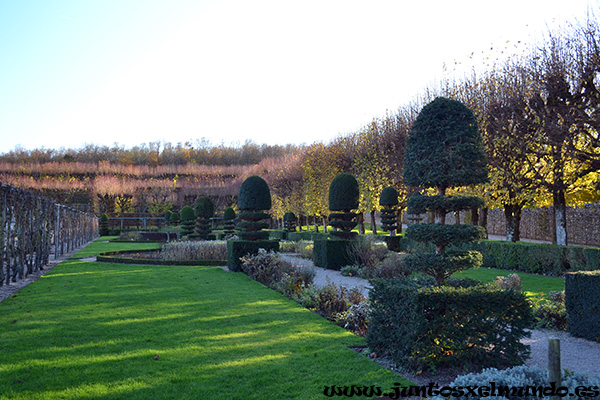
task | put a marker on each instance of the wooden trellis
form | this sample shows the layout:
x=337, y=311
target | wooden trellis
x=32, y=227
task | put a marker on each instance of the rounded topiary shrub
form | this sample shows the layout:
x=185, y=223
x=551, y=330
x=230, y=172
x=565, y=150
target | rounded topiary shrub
x=289, y=221
x=188, y=221
x=204, y=209
x=389, y=203
x=254, y=200
x=174, y=218
x=168, y=217
x=229, y=221
x=254, y=194
x=343, y=198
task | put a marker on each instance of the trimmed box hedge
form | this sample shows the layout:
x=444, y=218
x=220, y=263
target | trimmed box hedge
x=583, y=304
x=239, y=248
x=537, y=258
x=332, y=253
x=464, y=325
x=118, y=257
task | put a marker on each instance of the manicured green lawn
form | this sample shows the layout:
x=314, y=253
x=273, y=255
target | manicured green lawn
x=102, y=245
x=533, y=285
x=92, y=330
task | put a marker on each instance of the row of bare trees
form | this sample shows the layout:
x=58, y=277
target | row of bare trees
x=32, y=227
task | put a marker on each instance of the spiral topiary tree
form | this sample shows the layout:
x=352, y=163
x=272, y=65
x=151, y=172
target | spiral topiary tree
x=103, y=225
x=289, y=222
x=254, y=200
x=229, y=221
x=343, y=198
x=188, y=221
x=389, y=202
x=204, y=209
x=444, y=149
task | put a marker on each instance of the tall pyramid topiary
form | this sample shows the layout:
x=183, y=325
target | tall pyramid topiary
x=188, y=221
x=343, y=198
x=103, y=225
x=443, y=150
x=388, y=200
x=204, y=208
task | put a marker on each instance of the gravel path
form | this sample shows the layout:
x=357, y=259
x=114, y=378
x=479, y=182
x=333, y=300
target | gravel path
x=577, y=354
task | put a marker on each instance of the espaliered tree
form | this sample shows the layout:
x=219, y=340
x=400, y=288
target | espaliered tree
x=254, y=201
x=289, y=222
x=204, y=209
x=389, y=203
x=188, y=221
x=343, y=198
x=444, y=150
x=229, y=221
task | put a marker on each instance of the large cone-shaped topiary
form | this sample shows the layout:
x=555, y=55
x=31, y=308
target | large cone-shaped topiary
x=254, y=201
x=444, y=149
x=388, y=200
x=343, y=198
x=204, y=209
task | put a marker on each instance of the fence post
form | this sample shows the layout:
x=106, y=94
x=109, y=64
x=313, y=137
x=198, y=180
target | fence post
x=554, y=370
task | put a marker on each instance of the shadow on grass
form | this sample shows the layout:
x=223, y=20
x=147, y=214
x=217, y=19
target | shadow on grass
x=108, y=331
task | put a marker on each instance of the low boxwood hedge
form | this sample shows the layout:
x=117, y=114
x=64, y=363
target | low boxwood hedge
x=537, y=258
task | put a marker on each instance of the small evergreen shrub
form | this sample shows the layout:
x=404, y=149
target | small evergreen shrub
x=289, y=221
x=229, y=221
x=174, y=218
x=582, y=303
x=389, y=203
x=103, y=225
x=188, y=221
x=168, y=217
x=464, y=325
x=204, y=210
x=511, y=384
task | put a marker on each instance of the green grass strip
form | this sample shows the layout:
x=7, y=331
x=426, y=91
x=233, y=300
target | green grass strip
x=91, y=330
x=102, y=245
x=534, y=286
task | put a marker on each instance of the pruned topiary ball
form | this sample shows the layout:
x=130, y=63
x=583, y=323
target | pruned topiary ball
x=204, y=207
x=388, y=197
x=229, y=214
x=343, y=193
x=187, y=213
x=254, y=194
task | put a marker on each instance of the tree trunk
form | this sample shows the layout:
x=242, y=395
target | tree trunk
x=512, y=213
x=325, y=224
x=560, y=216
x=316, y=224
x=373, y=223
x=457, y=217
x=440, y=215
x=399, y=220
x=483, y=220
x=361, y=223
x=475, y=216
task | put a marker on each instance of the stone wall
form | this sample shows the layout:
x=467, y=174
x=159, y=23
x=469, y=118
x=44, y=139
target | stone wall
x=583, y=224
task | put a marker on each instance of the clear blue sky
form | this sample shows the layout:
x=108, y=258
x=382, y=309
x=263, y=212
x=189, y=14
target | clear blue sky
x=272, y=71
